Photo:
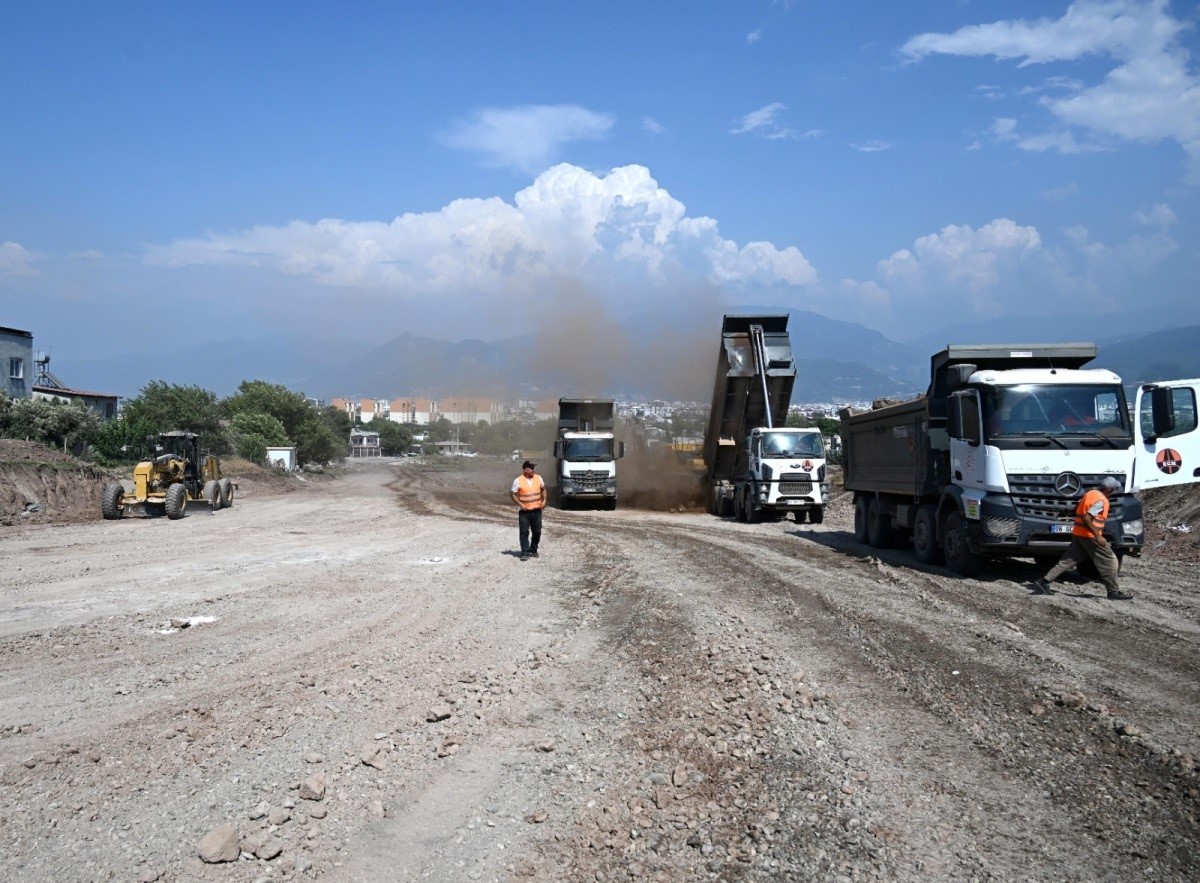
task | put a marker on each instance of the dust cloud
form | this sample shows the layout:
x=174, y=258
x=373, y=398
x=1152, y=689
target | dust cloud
x=667, y=352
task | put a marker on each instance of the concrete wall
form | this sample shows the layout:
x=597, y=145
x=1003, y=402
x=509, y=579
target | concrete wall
x=16, y=344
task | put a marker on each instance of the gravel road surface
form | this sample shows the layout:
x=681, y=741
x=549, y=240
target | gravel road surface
x=361, y=681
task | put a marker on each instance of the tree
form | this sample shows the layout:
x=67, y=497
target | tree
x=394, y=438
x=254, y=433
x=291, y=409
x=66, y=425
x=164, y=406
x=122, y=440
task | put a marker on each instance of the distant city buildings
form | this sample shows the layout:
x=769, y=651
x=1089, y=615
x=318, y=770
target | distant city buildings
x=471, y=410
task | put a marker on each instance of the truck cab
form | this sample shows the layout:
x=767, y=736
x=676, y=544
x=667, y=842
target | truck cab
x=586, y=453
x=785, y=474
x=1026, y=443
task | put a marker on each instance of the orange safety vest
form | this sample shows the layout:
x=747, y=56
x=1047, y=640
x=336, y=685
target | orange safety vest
x=1090, y=499
x=529, y=492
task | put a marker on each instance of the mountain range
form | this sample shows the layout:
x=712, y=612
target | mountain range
x=644, y=357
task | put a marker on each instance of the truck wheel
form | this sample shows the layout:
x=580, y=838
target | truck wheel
x=110, y=503
x=724, y=507
x=226, y=493
x=879, y=526
x=176, y=503
x=739, y=514
x=860, y=519
x=959, y=557
x=754, y=515
x=924, y=535
x=816, y=515
x=611, y=505
x=212, y=493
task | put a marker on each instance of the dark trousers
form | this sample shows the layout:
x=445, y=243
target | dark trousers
x=1080, y=550
x=531, y=523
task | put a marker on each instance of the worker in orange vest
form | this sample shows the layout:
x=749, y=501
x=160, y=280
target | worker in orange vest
x=1087, y=541
x=529, y=493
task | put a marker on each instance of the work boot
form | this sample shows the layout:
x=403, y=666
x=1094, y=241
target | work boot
x=524, y=556
x=1119, y=596
x=533, y=553
x=1041, y=587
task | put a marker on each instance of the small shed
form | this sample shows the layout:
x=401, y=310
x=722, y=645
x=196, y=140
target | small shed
x=282, y=457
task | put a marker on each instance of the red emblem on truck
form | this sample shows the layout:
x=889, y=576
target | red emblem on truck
x=1169, y=460
x=806, y=465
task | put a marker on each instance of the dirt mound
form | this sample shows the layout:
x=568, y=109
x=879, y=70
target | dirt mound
x=1172, y=516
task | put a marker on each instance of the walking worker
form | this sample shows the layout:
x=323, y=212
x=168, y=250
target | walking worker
x=1087, y=541
x=529, y=493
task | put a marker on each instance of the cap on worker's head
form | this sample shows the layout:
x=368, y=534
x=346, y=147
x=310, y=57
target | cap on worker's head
x=528, y=464
x=1111, y=484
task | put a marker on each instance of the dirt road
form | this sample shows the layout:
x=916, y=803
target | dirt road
x=371, y=686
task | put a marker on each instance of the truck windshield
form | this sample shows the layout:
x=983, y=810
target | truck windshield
x=1056, y=411
x=588, y=449
x=808, y=444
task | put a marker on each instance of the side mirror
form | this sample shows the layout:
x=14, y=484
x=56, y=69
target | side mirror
x=558, y=450
x=962, y=419
x=620, y=449
x=954, y=417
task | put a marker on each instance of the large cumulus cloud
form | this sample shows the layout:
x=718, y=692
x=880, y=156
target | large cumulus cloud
x=609, y=231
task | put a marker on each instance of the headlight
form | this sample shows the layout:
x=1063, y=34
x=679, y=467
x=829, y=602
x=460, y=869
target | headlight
x=1133, y=527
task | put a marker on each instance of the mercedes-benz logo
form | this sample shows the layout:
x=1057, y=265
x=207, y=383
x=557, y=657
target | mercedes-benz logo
x=1068, y=484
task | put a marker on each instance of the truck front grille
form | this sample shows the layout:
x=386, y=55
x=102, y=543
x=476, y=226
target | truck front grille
x=795, y=484
x=1034, y=496
x=587, y=480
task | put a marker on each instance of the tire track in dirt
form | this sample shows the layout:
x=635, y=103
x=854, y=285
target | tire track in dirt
x=998, y=718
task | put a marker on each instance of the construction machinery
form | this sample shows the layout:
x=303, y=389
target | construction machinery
x=992, y=461
x=586, y=453
x=757, y=468
x=173, y=474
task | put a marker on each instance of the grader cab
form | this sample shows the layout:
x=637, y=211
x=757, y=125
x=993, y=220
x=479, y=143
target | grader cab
x=174, y=473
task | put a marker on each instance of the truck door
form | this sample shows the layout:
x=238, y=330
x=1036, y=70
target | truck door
x=1167, y=443
x=967, y=462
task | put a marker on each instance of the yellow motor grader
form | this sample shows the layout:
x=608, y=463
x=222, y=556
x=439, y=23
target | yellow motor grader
x=174, y=474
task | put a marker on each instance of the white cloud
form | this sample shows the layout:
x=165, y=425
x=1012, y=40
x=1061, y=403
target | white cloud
x=753, y=37
x=764, y=122
x=528, y=138
x=16, y=260
x=873, y=146
x=1151, y=92
x=653, y=126
x=1159, y=215
x=621, y=233
x=962, y=256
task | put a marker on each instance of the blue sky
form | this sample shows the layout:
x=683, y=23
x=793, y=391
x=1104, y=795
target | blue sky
x=174, y=173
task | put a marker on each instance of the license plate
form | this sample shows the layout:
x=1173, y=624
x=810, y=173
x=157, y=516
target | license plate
x=1060, y=528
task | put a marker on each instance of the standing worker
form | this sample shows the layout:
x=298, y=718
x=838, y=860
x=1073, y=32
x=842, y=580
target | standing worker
x=529, y=493
x=1087, y=541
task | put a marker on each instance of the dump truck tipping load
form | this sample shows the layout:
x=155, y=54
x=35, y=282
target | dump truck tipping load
x=755, y=467
x=586, y=452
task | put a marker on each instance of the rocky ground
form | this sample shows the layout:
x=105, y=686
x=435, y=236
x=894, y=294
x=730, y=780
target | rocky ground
x=357, y=679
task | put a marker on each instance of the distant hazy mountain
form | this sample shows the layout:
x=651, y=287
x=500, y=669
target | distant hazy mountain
x=1080, y=325
x=299, y=362
x=646, y=357
x=1173, y=354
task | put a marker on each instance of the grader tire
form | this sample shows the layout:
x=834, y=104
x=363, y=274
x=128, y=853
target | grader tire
x=110, y=503
x=176, y=502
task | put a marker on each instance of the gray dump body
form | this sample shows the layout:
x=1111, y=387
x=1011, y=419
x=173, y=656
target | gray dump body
x=740, y=402
x=585, y=415
x=888, y=450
